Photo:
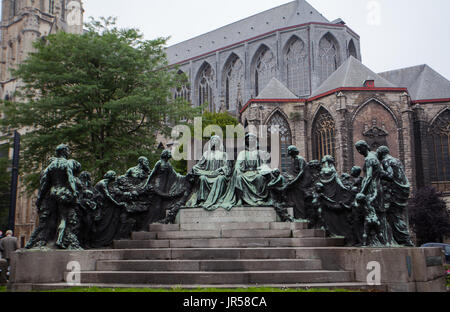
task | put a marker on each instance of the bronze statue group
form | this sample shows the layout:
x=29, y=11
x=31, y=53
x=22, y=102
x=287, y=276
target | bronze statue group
x=370, y=211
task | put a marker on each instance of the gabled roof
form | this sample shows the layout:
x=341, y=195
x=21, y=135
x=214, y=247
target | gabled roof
x=422, y=81
x=289, y=14
x=351, y=74
x=276, y=90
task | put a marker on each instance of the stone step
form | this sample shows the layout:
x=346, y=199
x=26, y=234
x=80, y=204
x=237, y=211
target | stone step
x=308, y=233
x=163, y=227
x=228, y=226
x=188, y=234
x=210, y=265
x=351, y=286
x=216, y=278
x=143, y=235
x=256, y=233
x=225, y=226
x=224, y=234
x=229, y=243
x=208, y=253
x=236, y=215
x=137, y=244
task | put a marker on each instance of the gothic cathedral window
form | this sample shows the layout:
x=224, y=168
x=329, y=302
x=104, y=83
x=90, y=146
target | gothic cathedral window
x=264, y=70
x=234, y=83
x=279, y=120
x=205, y=84
x=13, y=8
x=51, y=6
x=63, y=9
x=328, y=53
x=324, y=135
x=352, y=49
x=183, y=91
x=296, y=68
x=439, y=149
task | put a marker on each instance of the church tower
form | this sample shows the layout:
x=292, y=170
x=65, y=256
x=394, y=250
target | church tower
x=23, y=22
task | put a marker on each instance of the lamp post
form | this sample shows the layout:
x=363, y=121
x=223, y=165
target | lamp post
x=14, y=181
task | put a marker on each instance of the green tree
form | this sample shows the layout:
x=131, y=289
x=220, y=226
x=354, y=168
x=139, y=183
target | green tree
x=428, y=216
x=208, y=118
x=105, y=93
x=220, y=119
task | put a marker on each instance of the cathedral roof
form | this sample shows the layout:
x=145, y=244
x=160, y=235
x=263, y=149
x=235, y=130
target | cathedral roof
x=422, y=81
x=276, y=90
x=351, y=74
x=289, y=14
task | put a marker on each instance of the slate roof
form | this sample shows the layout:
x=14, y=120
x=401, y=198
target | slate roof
x=276, y=90
x=289, y=14
x=423, y=82
x=351, y=74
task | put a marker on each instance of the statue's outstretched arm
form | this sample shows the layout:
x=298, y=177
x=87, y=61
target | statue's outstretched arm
x=150, y=176
x=367, y=180
x=108, y=195
x=44, y=188
x=72, y=180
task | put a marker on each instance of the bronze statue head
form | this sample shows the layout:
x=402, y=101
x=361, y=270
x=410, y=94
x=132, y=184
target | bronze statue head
x=356, y=171
x=62, y=151
x=362, y=147
x=166, y=155
x=293, y=151
x=328, y=159
x=251, y=141
x=143, y=162
x=110, y=176
x=382, y=151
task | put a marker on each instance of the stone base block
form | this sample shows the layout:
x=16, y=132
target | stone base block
x=236, y=215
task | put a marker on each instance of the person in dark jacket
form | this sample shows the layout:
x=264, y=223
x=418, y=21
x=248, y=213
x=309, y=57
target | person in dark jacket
x=8, y=245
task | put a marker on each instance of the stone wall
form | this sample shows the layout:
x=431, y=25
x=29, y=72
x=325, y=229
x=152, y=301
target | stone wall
x=402, y=269
x=354, y=112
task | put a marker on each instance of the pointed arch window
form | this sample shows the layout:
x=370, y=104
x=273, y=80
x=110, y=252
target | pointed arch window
x=328, y=54
x=63, y=9
x=324, y=135
x=205, y=83
x=13, y=8
x=296, y=68
x=279, y=120
x=183, y=91
x=234, y=83
x=439, y=147
x=265, y=68
x=51, y=6
x=352, y=49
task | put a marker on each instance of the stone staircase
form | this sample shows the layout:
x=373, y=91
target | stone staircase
x=221, y=255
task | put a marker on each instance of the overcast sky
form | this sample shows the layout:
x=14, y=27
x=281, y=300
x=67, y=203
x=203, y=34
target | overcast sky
x=409, y=32
x=406, y=32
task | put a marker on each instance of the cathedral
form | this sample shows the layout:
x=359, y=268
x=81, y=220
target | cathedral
x=292, y=67
x=288, y=66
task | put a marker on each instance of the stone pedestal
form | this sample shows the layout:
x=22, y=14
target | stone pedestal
x=236, y=215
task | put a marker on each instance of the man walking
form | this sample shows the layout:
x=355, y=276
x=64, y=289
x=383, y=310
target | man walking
x=8, y=245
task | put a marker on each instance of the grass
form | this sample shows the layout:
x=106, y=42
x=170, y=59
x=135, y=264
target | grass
x=2, y=289
x=207, y=290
